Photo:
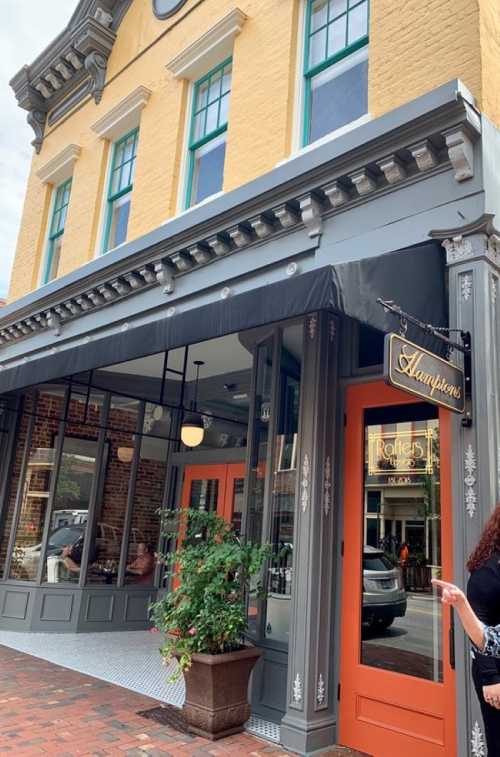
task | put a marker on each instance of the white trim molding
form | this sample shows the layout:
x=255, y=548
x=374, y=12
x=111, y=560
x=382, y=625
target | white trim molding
x=124, y=116
x=60, y=167
x=210, y=49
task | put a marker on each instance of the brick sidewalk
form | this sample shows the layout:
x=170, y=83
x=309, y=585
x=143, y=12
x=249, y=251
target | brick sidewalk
x=48, y=710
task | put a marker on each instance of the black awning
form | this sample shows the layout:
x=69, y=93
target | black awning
x=412, y=277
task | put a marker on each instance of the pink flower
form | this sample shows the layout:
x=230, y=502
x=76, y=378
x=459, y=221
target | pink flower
x=192, y=631
x=154, y=630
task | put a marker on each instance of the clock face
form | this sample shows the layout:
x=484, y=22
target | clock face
x=166, y=8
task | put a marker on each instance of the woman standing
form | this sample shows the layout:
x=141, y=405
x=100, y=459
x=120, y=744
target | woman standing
x=483, y=594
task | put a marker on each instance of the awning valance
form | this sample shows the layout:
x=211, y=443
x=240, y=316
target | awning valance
x=414, y=278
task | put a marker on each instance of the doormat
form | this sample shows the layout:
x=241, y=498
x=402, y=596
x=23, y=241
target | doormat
x=167, y=714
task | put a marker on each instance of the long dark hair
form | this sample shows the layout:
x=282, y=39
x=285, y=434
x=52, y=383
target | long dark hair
x=489, y=543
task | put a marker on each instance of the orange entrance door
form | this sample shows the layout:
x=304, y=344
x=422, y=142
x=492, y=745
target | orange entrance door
x=397, y=683
x=216, y=487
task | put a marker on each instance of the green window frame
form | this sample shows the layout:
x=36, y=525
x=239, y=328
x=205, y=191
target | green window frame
x=56, y=230
x=336, y=15
x=209, y=116
x=121, y=180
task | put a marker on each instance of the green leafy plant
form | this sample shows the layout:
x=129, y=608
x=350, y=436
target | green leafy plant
x=214, y=570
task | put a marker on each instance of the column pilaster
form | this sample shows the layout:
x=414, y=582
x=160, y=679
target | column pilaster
x=309, y=722
x=473, y=262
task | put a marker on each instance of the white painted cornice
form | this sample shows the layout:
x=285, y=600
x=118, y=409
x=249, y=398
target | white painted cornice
x=124, y=116
x=209, y=49
x=60, y=167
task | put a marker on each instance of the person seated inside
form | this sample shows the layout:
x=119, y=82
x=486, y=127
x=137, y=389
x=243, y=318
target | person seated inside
x=142, y=568
x=71, y=556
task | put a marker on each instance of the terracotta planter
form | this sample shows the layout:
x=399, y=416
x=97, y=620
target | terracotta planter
x=217, y=692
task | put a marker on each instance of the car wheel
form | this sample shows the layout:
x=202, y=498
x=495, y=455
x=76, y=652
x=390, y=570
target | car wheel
x=385, y=622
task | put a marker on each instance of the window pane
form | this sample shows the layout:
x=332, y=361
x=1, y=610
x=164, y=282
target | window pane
x=16, y=472
x=199, y=126
x=338, y=98
x=202, y=97
x=401, y=613
x=212, y=117
x=112, y=500
x=215, y=85
x=337, y=7
x=73, y=490
x=337, y=36
x=224, y=110
x=319, y=14
x=54, y=258
x=317, y=49
x=226, y=80
x=277, y=625
x=208, y=170
x=36, y=486
x=119, y=221
x=148, y=496
x=358, y=23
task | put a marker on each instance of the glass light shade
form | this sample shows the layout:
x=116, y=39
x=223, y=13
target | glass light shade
x=192, y=430
x=125, y=454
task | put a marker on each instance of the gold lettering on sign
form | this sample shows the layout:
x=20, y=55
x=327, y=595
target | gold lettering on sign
x=400, y=452
x=408, y=365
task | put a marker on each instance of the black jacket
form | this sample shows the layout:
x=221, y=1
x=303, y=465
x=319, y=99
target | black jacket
x=483, y=592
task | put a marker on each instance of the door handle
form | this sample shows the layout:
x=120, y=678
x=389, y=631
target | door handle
x=451, y=639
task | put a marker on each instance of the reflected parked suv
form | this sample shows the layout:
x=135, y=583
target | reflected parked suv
x=384, y=597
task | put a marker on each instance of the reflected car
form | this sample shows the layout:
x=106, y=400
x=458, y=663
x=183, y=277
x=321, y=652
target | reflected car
x=384, y=596
x=67, y=536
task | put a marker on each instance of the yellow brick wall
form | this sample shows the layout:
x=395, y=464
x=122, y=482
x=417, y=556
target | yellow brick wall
x=417, y=45
x=414, y=47
x=489, y=24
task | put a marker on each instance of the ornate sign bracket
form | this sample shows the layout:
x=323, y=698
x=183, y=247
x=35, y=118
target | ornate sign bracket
x=443, y=335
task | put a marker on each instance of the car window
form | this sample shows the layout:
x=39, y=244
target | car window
x=64, y=536
x=376, y=562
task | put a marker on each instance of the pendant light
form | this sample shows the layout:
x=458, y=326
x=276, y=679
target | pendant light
x=192, y=428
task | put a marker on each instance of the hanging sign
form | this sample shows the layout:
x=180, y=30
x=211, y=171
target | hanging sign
x=424, y=374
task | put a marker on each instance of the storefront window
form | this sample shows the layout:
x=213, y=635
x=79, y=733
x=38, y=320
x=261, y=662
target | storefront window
x=73, y=491
x=148, y=496
x=279, y=588
x=401, y=614
x=36, y=486
x=112, y=499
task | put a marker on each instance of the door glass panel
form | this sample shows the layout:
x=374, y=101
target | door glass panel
x=237, y=504
x=204, y=494
x=401, y=614
x=279, y=588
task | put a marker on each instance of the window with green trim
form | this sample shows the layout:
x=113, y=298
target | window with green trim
x=207, y=134
x=121, y=182
x=335, y=65
x=56, y=231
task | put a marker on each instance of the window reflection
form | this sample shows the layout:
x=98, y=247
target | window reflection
x=277, y=624
x=73, y=489
x=37, y=484
x=401, y=614
x=111, y=505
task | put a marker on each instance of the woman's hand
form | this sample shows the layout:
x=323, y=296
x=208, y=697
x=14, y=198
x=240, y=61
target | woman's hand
x=451, y=594
x=491, y=695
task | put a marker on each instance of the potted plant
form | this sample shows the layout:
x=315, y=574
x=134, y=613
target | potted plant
x=204, y=618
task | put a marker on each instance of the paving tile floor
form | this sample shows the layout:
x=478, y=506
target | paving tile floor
x=46, y=709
